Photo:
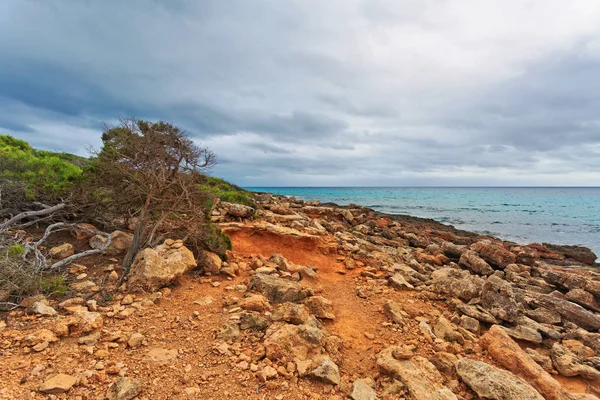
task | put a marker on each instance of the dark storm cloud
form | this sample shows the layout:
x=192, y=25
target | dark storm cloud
x=348, y=92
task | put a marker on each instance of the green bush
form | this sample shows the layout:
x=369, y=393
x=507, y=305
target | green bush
x=54, y=285
x=15, y=250
x=219, y=188
x=42, y=174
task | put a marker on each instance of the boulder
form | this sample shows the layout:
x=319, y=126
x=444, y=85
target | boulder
x=124, y=388
x=120, y=241
x=59, y=383
x=577, y=253
x=278, y=290
x=570, y=311
x=327, y=372
x=320, y=307
x=498, y=298
x=210, y=262
x=495, y=254
x=397, y=281
x=237, y=210
x=568, y=363
x=456, y=283
x=296, y=314
x=469, y=259
x=394, y=311
x=583, y=298
x=63, y=251
x=494, y=383
x=256, y=302
x=421, y=378
x=361, y=390
x=158, y=267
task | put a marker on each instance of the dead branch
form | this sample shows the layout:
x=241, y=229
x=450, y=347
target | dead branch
x=29, y=214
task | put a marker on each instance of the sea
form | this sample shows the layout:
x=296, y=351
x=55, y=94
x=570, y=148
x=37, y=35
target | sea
x=558, y=215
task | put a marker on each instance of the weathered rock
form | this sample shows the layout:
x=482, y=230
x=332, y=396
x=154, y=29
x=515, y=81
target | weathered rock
x=398, y=281
x=237, y=210
x=421, y=378
x=361, y=390
x=494, y=383
x=542, y=360
x=327, y=372
x=525, y=333
x=569, y=364
x=453, y=250
x=444, y=362
x=63, y=251
x=320, y=307
x=124, y=388
x=296, y=314
x=507, y=353
x=158, y=267
x=210, y=262
x=228, y=331
x=544, y=316
x=267, y=373
x=570, y=311
x=498, y=298
x=476, y=312
x=256, y=302
x=135, y=340
x=577, y=253
x=445, y=330
x=394, y=311
x=495, y=254
x=84, y=322
x=43, y=309
x=252, y=320
x=583, y=298
x=301, y=342
x=59, y=383
x=470, y=324
x=278, y=290
x=119, y=242
x=472, y=261
x=160, y=355
x=456, y=283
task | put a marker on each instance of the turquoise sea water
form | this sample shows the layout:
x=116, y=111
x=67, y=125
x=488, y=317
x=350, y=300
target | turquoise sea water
x=524, y=215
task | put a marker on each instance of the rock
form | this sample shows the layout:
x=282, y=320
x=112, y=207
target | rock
x=43, y=309
x=456, y=283
x=252, y=320
x=120, y=241
x=476, y=312
x=135, y=340
x=296, y=314
x=361, y=390
x=398, y=281
x=583, y=298
x=421, y=378
x=472, y=261
x=158, y=267
x=63, y=251
x=256, y=302
x=544, y=316
x=59, y=383
x=84, y=234
x=228, y=331
x=570, y=311
x=569, y=364
x=124, y=389
x=327, y=372
x=525, y=333
x=267, y=373
x=210, y=262
x=445, y=330
x=494, y=383
x=320, y=307
x=394, y=311
x=444, y=362
x=498, y=298
x=577, y=253
x=84, y=322
x=542, y=360
x=470, y=324
x=496, y=255
x=452, y=250
x=507, y=353
x=237, y=210
x=278, y=290
x=204, y=301
x=160, y=355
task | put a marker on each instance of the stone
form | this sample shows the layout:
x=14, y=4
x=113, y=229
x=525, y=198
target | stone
x=570, y=311
x=327, y=372
x=228, y=331
x=496, y=255
x=456, y=283
x=498, y=298
x=135, y=340
x=237, y=210
x=507, y=353
x=361, y=390
x=296, y=314
x=320, y=307
x=568, y=363
x=124, y=388
x=63, y=251
x=453, y=250
x=542, y=360
x=252, y=320
x=119, y=242
x=421, y=378
x=158, y=267
x=267, y=373
x=477, y=312
x=445, y=362
x=445, y=330
x=204, y=301
x=84, y=322
x=525, y=333
x=43, y=309
x=472, y=261
x=59, y=383
x=160, y=355
x=394, y=311
x=398, y=281
x=210, y=262
x=544, y=316
x=278, y=290
x=470, y=323
x=494, y=383
x=583, y=298
x=256, y=302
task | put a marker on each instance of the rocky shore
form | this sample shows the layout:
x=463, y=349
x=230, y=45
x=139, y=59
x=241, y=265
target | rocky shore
x=314, y=301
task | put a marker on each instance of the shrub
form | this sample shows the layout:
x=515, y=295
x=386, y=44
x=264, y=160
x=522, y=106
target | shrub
x=54, y=285
x=15, y=250
x=219, y=188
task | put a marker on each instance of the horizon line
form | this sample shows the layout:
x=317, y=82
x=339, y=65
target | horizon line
x=424, y=186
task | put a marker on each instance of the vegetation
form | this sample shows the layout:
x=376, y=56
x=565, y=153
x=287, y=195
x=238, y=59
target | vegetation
x=219, y=188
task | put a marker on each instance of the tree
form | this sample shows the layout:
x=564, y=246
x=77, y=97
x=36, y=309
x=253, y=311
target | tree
x=149, y=172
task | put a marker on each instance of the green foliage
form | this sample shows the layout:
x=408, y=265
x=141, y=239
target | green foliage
x=54, y=285
x=219, y=188
x=15, y=250
x=216, y=241
x=41, y=174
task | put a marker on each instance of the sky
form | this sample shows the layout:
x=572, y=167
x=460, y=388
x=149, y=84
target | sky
x=320, y=93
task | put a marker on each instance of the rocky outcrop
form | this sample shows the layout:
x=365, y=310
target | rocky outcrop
x=456, y=283
x=158, y=267
x=469, y=259
x=278, y=290
x=498, y=298
x=237, y=210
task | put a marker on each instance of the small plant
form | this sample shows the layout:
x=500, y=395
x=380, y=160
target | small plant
x=15, y=250
x=54, y=285
x=219, y=188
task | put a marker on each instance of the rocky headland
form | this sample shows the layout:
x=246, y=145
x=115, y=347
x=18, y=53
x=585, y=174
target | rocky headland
x=314, y=301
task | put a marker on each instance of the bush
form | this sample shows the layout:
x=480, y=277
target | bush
x=40, y=175
x=54, y=285
x=18, y=279
x=15, y=250
x=219, y=188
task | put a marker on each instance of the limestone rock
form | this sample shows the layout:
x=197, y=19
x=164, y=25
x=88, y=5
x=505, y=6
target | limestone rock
x=361, y=390
x=43, y=309
x=456, y=283
x=256, y=302
x=296, y=314
x=59, y=383
x=278, y=290
x=320, y=307
x=210, y=262
x=160, y=355
x=398, y=281
x=570, y=311
x=327, y=372
x=472, y=261
x=494, y=383
x=63, y=251
x=155, y=268
x=498, y=298
x=237, y=210
x=495, y=254
x=394, y=311
x=124, y=389
x=569, y=364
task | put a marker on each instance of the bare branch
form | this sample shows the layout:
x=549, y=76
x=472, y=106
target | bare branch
x=29, y=214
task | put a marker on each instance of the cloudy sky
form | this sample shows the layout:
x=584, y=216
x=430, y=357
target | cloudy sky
x=336, y=92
